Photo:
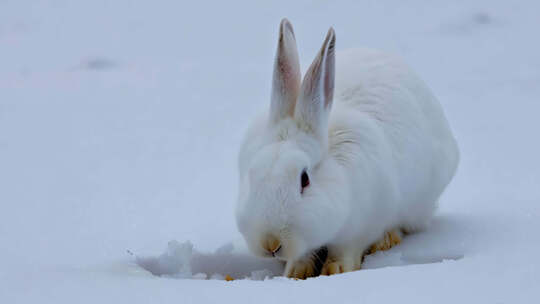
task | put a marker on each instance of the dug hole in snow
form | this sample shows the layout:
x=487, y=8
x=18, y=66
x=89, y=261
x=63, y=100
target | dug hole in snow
x=443, y=241
x=181, y=261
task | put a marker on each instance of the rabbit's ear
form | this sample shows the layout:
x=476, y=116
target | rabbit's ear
x=317, y=92
x=286, y=80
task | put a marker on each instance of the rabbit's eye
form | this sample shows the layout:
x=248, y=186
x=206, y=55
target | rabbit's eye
x=304, y=180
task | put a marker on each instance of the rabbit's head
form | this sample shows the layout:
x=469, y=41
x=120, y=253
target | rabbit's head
x=287, y=200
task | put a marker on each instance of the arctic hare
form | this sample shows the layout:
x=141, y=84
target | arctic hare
x=356, y=152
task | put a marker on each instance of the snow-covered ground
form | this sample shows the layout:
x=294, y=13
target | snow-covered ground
x=120, y=122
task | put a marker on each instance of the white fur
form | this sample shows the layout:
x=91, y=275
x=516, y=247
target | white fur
x=388, y=156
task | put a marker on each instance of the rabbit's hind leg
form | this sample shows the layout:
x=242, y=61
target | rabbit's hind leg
x=390, y=239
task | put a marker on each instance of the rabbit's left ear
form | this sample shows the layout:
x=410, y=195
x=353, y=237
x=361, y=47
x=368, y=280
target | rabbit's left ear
x=286, y=79
x=317, y=91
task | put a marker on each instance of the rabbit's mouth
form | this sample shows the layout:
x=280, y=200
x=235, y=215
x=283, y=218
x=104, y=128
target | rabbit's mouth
x=280, y=255
x=276, y=252
x=271, y=244
x=273, y=247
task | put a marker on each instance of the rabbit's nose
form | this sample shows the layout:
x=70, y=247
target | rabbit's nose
x=271, y=244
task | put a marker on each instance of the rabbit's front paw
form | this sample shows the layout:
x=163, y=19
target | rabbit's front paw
x=333, y=267
x=391, y=238
x=301, y=269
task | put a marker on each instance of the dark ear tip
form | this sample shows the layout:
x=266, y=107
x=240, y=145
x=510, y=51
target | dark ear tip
x=331, y=31
x=331, y=35
x=284, y=26
x=329, y=42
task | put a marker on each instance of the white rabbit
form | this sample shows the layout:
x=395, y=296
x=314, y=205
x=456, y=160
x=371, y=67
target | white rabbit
x=341, y=180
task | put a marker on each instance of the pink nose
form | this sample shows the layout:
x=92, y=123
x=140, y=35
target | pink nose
x=271, y=244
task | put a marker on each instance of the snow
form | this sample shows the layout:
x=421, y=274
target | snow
x=120, y=123
x=180, y=261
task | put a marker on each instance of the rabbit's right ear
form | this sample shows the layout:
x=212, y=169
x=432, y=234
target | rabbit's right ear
x=286, y=79
x=317, y=93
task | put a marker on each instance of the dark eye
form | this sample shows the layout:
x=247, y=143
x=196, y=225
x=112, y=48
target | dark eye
x=304, y=180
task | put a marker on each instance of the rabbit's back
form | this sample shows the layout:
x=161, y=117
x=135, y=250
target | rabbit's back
x=399, y=127
x=385, y=87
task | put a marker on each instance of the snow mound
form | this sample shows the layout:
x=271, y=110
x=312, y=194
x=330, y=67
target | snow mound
x=444, y=241
x=181, y=261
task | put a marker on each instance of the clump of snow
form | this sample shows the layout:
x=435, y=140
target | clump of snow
x=261, y=275
x=181, y=261
x=175, y=261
